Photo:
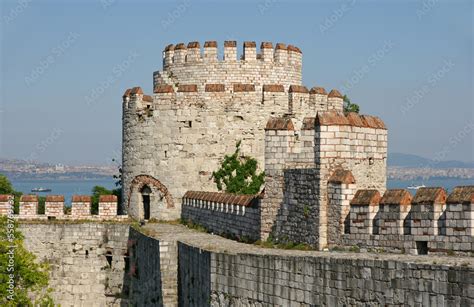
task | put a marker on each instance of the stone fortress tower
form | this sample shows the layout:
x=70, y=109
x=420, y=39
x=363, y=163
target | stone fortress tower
x=203, y=104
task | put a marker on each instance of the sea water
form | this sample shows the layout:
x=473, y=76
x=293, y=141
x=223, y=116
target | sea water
x=84, y=187
x=68, y=188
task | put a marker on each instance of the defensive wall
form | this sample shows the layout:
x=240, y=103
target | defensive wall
x=108, y=263
x=213, y=271
x=430, y=223
x=87, y=260
x=55, y=209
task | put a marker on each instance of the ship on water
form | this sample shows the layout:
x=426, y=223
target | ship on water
x=40, y=189
x=416, y=187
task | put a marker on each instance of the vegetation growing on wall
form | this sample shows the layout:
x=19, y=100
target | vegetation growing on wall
x=238, y=175
x=349, y=106
x=21, y=277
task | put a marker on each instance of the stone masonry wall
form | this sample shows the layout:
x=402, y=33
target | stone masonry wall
x=213, y=271
x=300, y=157
x=225, y=214
x=290, y=180
x=87, y=260
x=331, y=280
x=194, y=276
x=427, y=224
x=145, y=271
x=357, y=143
x=153, y=271
x=339, y=196
x=298, y=215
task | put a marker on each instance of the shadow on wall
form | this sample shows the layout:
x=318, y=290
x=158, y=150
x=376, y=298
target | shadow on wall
x=194, y=276
x=297, y=220
x=143, y=276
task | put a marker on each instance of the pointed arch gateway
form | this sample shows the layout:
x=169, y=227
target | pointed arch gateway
x=144, y=185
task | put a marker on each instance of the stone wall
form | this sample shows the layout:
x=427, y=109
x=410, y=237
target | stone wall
x=290, y=179
x=6, y=204
x=145, y=271
x=429, y=223
x=194, y=276
x=341, y=190
x=237, y=216
x=301, y=156
x=174, y=266
x=228, y=279
x=87, y=260
x=28, y=206
x=153, y=271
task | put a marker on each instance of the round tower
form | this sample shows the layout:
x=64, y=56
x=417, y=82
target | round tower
x=202, y=105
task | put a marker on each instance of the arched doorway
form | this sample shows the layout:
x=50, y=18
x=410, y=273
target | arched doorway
x=146, y=192
x=148, y=198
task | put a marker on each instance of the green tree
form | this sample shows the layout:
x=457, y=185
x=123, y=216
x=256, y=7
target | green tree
x=96, y=192
x=350, y=107
x=99, y=190
x=5, y=185
x=20, y=275
x=41, y=204
x=238, y=175
x=7, y=188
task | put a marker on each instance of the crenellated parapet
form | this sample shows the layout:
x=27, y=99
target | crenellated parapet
x=54, y=208
x=429, y=222
x=191, y=53
x=188, y=64
x=237, y=216
x=294, y=99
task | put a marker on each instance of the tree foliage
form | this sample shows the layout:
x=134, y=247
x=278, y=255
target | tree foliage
x=99, y=190
x=238, y=175
x=21, y=277
x=41, y=204
x=350, y=107
x=5, y=185
x=7, y=188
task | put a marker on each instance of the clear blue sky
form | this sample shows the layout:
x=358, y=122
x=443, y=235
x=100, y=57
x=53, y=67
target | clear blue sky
x=64, y=67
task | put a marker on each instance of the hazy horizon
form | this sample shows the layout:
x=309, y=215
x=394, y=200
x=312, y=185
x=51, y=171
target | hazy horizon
x=114, y=164
x=64, y=67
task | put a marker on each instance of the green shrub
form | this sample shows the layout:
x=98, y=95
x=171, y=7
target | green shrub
x=238, y=175
x=30, y=279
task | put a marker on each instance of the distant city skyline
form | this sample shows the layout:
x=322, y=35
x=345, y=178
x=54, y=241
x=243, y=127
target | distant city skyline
x=64, y=67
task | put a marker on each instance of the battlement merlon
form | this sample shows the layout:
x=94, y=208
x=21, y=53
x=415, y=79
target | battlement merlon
x=296, y=99
x=134, y=97
x=55, y=208
x=186, y=64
